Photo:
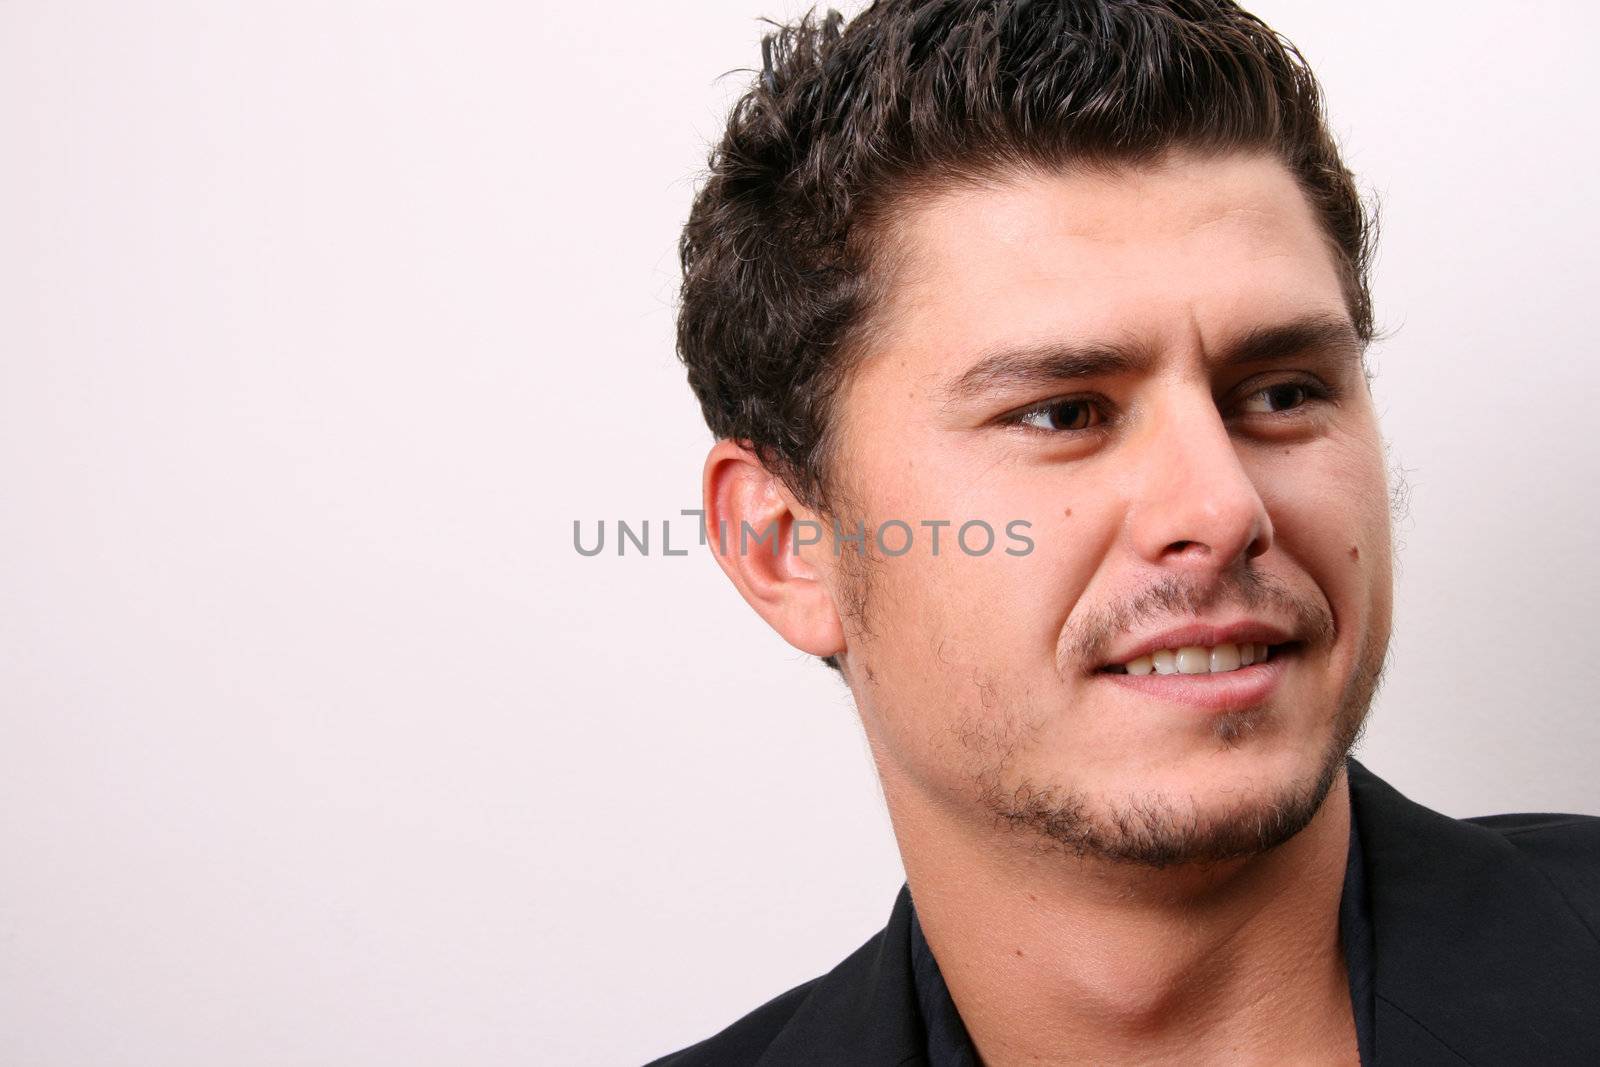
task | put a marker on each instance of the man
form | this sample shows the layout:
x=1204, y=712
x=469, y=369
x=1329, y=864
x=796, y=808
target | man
x=1093, y=272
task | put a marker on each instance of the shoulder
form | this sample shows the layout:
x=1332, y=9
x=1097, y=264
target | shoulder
x=1535, y=863
x=1576, y=837
x=744, y=1041
x=1564, y=848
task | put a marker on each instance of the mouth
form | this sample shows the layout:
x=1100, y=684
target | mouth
x=1202, y=659
x=1209, y=678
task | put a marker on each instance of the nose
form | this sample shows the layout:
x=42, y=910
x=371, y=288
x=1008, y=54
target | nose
x=1194, y=506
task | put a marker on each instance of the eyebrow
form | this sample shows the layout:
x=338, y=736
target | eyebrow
x=1058, y=361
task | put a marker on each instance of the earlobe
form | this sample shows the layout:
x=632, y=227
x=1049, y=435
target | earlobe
x=762, y=538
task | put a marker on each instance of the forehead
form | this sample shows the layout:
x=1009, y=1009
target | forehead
x=1169, y=257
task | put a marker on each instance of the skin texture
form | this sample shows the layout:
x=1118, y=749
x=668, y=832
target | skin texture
x=1098, y=869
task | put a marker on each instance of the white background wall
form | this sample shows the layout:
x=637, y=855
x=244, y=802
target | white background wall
x=320, y=323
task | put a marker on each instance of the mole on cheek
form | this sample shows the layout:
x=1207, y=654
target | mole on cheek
x=1355, y=553
x=1068, y=513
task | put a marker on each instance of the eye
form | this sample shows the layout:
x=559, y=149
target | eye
x=1282, y=397
x=1072, y=415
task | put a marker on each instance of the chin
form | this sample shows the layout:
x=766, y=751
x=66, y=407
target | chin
x=1233, y=800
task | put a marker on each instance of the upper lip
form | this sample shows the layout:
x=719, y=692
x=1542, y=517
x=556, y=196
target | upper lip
x=1202, y=635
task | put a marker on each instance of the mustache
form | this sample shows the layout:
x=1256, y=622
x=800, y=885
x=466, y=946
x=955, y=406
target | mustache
x=1179, y=599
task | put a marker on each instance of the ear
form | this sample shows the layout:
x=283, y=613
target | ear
x=767, y=544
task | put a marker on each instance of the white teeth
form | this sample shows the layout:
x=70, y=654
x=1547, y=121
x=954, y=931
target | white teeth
x=1224, y=658
x=1193, y=659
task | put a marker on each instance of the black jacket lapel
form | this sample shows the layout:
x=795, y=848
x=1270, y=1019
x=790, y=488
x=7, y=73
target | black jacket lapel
x=864, y=1011
x=1478, y=956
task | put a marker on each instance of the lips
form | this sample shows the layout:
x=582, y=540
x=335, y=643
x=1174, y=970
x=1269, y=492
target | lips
x=1240, y=689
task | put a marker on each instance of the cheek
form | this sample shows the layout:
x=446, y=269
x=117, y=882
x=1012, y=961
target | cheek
x=1330, y=514
x=959, y=658
x=988, y=601
x=956, y=629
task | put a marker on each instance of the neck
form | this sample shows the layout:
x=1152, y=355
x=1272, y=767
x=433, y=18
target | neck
x=1044, y=952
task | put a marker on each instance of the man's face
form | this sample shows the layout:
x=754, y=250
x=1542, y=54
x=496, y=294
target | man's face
x=1156, y=369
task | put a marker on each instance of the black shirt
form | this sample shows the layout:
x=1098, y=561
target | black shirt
x=950, y=1046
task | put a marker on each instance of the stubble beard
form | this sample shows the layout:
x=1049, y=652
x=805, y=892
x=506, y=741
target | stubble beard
x=1159, y=831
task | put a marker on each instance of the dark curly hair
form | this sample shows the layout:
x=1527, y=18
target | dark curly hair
x=784, y=256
